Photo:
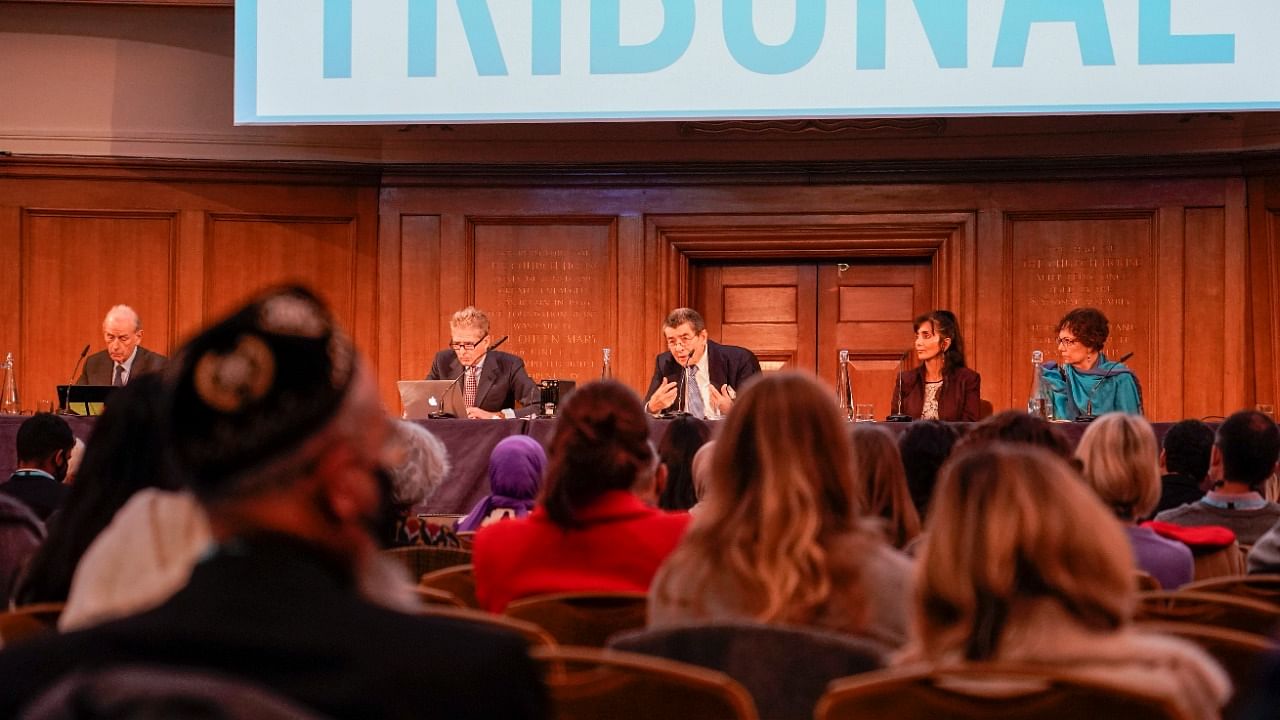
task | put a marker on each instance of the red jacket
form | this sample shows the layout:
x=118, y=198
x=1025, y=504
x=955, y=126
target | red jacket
x=620, y=547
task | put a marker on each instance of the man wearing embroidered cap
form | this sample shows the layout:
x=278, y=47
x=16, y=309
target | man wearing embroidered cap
x=278, y=422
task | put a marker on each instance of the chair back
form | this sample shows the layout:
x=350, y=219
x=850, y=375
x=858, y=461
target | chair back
x=459, y=581
x=981, y=691
x=422, y=559
x=583, y=618
x=1241, y=654
x=786, y=669
x=1147, y=582
x=28, y=621
x=1203, y=608
x=1229, y=560
x=1263, y=587
x=431, y=596
x=593, y=684
x=533, y=635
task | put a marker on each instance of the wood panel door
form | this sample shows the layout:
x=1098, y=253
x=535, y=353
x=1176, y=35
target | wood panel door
x=798, y=316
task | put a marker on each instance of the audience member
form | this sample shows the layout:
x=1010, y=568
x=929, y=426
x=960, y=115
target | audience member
x=1119, y=456
x=924, y=447
x=278, y=422
x=592, y=529
x=881, y=482
x=1024, y=564
x=128, y=452
x=1244, y=455
x=779, y=539
x=1015, y=426
x=682, y=439
x=73, y=463
x=21, y=533
x=416, y=478
x=43, y=447
x=1184, y=461
x=515, y=477
x=700, y=473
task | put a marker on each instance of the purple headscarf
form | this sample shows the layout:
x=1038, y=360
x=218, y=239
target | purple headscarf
x=515, y=476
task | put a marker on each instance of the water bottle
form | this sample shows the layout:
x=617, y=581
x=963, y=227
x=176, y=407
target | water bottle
x=844, y=386
x=1040, y=401
x=9, y=388
x=606, y=368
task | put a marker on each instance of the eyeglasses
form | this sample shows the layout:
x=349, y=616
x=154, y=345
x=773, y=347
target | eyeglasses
x=468, y=345
x=682, y=340
x=1067, y=342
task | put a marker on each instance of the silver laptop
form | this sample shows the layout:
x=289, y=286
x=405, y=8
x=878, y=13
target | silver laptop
x=431, y=398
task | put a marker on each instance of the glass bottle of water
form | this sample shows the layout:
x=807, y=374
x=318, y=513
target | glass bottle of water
x=844, y=386
x=9, y=388
x=606, y=367
x=1040, y=401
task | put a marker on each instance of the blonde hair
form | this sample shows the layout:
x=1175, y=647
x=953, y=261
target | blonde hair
x=782, y=493
x=1008, y=525
x=470, y=317
x=1121, y=463
x=882, y=483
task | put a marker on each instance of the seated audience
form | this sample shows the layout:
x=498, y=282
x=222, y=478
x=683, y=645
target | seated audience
x=277, y=422
x=682, y=439
x=595, y=528
x=882, y=484
x=1024, y=564
x=779, y=539
x=73, y=464
x=127, y=453
x=414, y=480
x=515, y=478
x=1119, y=456
x=700, y=473
x=924, y=447
x=1244, y=455
x=21, y=533
x=43, y=447
x=1184, y=462
x=1017, y=427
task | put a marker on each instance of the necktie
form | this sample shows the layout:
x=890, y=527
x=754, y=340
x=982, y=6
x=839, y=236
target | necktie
x=469, y=387
x=694, y=400
x=118, y=380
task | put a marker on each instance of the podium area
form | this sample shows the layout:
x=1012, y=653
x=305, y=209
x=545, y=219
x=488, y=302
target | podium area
x=469, y=443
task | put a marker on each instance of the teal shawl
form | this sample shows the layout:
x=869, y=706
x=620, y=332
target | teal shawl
x=1114, y=388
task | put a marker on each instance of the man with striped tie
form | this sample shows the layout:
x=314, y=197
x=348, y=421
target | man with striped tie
x=124, y=358
x=493, y=382
x=713, y=373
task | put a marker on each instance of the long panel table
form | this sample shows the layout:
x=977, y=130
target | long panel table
x=469, y=443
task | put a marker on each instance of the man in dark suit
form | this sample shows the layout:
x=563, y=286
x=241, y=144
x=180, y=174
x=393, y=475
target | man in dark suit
x=494, y=381
x=719, y=370
x=276, y=423
x=43, y=448
x=124, y=358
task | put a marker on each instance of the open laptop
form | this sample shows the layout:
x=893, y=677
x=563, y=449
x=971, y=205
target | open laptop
x=431, y=398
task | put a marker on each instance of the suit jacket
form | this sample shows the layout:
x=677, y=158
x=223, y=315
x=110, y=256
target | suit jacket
x=619, y=548
x=38, y=492
x=277, y=613
x=959, y=399
x=503, y=381
x=727, y=364
x=99, y=369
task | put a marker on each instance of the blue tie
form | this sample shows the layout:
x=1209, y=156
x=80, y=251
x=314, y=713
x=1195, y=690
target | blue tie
x=695, y=393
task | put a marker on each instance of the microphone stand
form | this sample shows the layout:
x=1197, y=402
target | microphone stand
x=898, y=416
x=1088, y=415
x=442, y=413
x=682, y=396
x=66, y=399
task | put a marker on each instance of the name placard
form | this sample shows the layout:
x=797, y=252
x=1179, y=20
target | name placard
x=366, y=61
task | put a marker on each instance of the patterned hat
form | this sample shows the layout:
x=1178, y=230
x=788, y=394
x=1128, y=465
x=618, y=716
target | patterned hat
x=255, y=385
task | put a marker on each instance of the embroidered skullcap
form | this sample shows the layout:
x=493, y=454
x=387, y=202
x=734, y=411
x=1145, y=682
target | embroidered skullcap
x=256, y=384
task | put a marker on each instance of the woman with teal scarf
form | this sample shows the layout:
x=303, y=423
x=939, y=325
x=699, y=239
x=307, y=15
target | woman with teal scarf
x=1086, y=373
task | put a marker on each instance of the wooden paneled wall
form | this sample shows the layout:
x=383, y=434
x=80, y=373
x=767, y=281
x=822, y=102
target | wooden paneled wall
x=570, y=261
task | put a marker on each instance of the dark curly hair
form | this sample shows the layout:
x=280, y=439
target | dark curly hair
x=945, y=325
x=1089, y=326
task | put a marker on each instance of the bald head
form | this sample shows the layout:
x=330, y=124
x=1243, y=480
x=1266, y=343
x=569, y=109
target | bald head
x=122, y=331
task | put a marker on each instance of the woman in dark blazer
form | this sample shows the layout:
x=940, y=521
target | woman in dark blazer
x=941, y=388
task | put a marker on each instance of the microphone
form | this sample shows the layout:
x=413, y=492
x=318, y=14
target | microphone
x=898, y=416
x=76, y=368
x=681, y=406
x=1088, y=415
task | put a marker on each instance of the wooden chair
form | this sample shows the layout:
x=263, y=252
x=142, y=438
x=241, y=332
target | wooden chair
x=459, y=581
x=422, y=559
x=982, y=691
x=28, y=621
x=532, y=634
x=432, y=596
x=585, y=618
x=1202, y=608
x=1147, y=582
x=1229, y=560
x=591, y=684
x=1265, y=588
x=785, y=668
x=1241, y=654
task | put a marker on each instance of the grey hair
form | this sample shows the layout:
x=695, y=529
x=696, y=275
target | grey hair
x=425, y=466
x=126, y=311
x=470, y=316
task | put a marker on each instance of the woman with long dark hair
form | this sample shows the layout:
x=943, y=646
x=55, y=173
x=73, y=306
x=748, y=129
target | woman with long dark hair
x=941, y=387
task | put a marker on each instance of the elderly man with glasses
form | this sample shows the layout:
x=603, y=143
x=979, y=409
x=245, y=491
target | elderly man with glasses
x=711, y=372
x=493, y=382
